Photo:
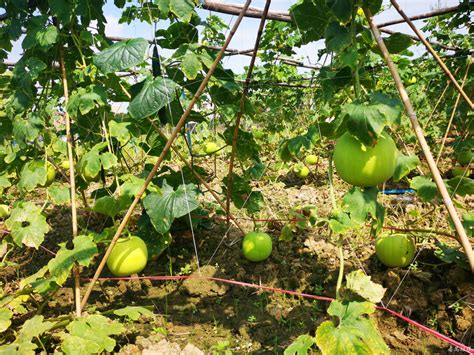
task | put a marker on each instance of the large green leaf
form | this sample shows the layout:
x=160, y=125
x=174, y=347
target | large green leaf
x=183, y=9
x=90, y=335
x=311, y=17
x=243, y=195
x=425, y=188
x=337, y=37
x=163, y=209
x=301, y=345
x=27, y=225
x=367, y=121
x=85, y=99
x=33, y=328
x=121, y=55
x=355, y=333
x=110, y=206
x=42, y=38
x=342, y=9
x=33, y=174
x=361, y=284
x=60, y=194
x=155, y=94
x=405, y=164
x=395, y=43
x=373, y=5
x=61, y=265
x=362, y=203
x=120, y=131
x=5, y=319
x=191, y=65
x=342, y=223
x=133, y=312
x=461, y=185
x=247, y=148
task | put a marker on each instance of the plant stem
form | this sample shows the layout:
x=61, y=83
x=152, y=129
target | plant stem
x=341, y=267
x=331, y=186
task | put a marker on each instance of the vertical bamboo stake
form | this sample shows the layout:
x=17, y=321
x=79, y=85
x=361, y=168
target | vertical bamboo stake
x=167, y=147
x=72, y=180
x=433, y=53
x=242, y=106
x=421, y=139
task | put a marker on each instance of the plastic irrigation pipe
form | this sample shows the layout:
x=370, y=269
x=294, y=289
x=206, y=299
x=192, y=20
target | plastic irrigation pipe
x=398, y=192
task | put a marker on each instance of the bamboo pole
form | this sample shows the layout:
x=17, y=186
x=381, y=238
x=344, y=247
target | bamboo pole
x=242, y=107
x=430, y=14
x=72, y=181
x=421, y=139
x=433, y=53
x=252, y=12
x=167, y=147
x=196, y=174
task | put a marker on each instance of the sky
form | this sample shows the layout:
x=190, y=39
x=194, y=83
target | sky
x=246, y=34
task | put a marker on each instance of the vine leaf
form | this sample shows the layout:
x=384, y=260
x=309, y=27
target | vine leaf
x=155, y=94
x=405, y=164
x=26, y=347
x=163, y=209
x=32, y=174
x=41, y=38
x=5, y=319
x=355, y=332
x=361, y=284
x=83, y=100
x=366, y=121
x=27, y=225
x=131, y=185
x=121, y=55
x=191, y=65
x=395, y=43
x=449, y=255
x=90, y=335
x=91, y=162
x=33, y=328
x=341, y=223
x=301, y=345
x=461, y=185
x=83, y=252
x=183, y=9
x=247, y=148
x=243, y=195
x=362, y=203
x=120, y=131
x=337, y=37
x=110, y=206
x=425, y=188
x=133, y=312
x=342, y=9
x=306, y=13
x=373, y=5
x=59, y=193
